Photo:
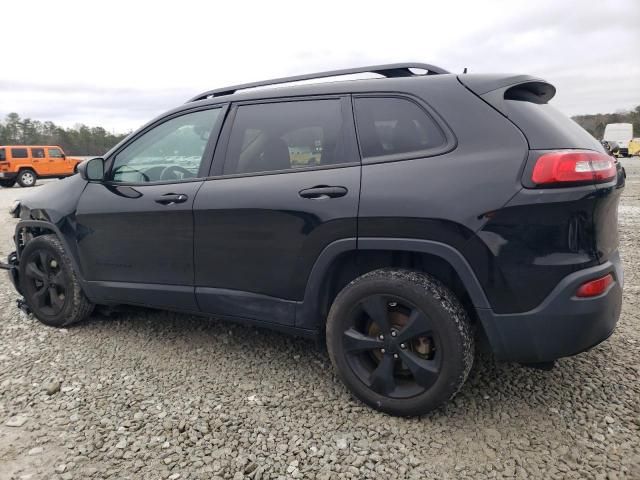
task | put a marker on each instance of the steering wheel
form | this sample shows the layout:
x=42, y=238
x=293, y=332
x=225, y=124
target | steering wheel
x=127, y=169
x=172, y=170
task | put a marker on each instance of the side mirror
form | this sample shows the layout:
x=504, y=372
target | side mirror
x=64, y=156
x=92, y=170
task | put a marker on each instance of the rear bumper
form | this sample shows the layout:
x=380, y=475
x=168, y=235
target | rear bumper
x=563, y=324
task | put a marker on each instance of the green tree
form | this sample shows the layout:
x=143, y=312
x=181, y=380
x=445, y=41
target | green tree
x=79, y=140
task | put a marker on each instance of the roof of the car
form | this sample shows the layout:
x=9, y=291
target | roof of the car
x=400, y=84
x=30, y=146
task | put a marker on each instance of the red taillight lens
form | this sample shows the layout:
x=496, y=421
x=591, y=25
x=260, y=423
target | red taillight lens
x=593, y=288
x=573, y=166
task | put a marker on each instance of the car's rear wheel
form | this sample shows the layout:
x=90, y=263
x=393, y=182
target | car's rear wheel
x=7, y=183
x=27, y=178
x=400, y=340
x=50, y=285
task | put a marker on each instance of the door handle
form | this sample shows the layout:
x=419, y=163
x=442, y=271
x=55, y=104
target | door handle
x=171, y=198
x=323, y=191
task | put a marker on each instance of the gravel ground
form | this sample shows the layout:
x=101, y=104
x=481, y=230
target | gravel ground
x=154, y=395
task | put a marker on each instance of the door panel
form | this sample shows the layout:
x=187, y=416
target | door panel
x=259, y=235
x=39, y=161
x=292, y=187
x=125, y=235
x=135, y=230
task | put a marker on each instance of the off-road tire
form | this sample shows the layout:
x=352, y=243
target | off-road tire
x=76, y=306
x=444, y=310
x=27, y=178
x=7, y=183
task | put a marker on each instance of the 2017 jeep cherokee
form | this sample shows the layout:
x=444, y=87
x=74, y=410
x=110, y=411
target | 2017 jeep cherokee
x=406, y=218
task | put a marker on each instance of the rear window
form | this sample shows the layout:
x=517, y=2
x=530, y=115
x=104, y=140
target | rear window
x=393, y=126
x=547, y=128
x=286, y=135
x=3, y=155
x=19, y=153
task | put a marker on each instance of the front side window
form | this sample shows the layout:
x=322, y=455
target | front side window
x=37, y=152
x=19, y=153
x=3, y=155
x=171, y=151
x=391, y=126
x=55, y=153
x=287, y=135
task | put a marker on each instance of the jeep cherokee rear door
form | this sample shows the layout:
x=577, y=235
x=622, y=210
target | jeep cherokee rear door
x=286, y=183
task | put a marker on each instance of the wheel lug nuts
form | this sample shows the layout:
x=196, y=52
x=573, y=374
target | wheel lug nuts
x=393, y=334
x=393, y=304
x=381, y=337
x=382, y=350
x=403, y=346
x=395, y=355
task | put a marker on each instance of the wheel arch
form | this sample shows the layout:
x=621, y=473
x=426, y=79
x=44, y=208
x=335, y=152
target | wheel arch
x=28, y=229
x=29, y=168
x=344, y=260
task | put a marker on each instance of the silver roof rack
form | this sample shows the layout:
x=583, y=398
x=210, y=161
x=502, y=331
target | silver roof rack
x=391, y=70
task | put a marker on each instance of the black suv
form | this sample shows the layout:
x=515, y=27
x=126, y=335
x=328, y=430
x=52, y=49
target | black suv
x=406, y=218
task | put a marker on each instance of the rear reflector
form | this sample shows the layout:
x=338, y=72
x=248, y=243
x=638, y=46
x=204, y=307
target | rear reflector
x=595, y=287
x=573, y=166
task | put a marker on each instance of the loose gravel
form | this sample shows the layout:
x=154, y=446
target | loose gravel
x=149, y=395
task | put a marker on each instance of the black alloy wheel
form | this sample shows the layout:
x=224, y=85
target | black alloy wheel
x=46, y=282
x=49, y=283
x=392, y=346
x=400, y=340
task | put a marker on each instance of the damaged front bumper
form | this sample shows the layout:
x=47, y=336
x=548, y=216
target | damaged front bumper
x=12, y=267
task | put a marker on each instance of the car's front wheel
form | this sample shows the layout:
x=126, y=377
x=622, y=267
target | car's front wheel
x=50, y=285
x=400, y=340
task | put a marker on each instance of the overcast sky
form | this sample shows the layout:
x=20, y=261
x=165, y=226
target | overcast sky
x=119, y=63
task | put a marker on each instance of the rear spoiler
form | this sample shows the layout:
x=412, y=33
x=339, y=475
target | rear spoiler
x=495, y=89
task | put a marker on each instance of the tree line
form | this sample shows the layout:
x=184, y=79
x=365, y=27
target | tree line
x=594, y=124
x=80, y=140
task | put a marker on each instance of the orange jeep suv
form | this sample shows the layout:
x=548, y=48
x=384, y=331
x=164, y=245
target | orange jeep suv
x=26, y=163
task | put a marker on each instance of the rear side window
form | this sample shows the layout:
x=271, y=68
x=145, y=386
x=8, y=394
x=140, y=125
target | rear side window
x=3, y=155
x=547, y=128
x=37, y=152
x=392, y=126
x=286, y=135
x=19, y=153
x=55, y=153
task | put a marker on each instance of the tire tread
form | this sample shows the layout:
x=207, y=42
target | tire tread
x=81, y=307
x=428, y=285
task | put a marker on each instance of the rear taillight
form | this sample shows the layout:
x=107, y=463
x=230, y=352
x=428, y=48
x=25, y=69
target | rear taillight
x=596, y=287
x=573, y=166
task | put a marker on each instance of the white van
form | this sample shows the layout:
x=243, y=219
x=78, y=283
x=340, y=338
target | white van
x=619, y=134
